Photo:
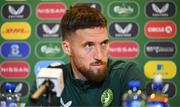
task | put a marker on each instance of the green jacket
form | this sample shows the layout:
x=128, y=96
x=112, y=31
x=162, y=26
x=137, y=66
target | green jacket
x=84, y=93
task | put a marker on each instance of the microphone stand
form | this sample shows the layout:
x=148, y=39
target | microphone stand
x=47, y=88
x=49, y=91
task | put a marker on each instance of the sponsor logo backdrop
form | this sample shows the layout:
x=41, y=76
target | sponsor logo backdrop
x=143, y=31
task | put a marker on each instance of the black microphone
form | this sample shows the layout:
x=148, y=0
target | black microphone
x=47, y=84
x=49, y=80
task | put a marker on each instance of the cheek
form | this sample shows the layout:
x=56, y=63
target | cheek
x=80, y=57
x=84, y=60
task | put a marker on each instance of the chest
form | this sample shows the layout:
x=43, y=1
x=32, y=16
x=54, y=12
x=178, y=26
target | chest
x=106, y=94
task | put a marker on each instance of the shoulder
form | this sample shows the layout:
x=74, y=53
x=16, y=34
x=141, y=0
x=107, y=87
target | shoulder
x=115, y=64
x=126, y=71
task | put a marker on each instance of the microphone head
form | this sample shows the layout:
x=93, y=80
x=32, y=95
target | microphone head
x=55, y=75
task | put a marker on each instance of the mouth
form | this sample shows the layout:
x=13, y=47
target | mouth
x=98, y=64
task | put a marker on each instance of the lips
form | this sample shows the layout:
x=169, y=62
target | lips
x=98, y=65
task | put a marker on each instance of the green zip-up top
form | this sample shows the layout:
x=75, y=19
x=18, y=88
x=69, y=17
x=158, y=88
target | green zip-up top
x=84, y=93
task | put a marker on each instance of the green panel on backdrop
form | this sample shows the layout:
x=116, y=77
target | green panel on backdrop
x=138, y=16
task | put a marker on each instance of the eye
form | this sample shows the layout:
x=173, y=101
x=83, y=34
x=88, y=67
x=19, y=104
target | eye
x=105, y=44
x=88, y=45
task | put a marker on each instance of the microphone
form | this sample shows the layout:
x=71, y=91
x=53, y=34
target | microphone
x=42, y=89
x=49, y=78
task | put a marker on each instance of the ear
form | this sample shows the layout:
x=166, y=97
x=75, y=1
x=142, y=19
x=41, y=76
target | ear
x=66, y=47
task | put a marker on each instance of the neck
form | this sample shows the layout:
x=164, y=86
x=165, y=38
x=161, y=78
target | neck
x=76, y=73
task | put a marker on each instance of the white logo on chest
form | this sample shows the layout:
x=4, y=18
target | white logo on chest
x=68, y=104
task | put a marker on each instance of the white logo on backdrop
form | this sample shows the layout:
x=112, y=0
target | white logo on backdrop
x=162, y=10
x=127, y=28
x=15, y=12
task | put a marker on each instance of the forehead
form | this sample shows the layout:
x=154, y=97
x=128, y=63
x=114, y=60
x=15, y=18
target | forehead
x=91, y=34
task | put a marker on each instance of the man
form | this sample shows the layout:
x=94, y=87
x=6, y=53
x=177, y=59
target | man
x=91, y=78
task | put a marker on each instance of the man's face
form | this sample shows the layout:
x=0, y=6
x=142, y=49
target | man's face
x=88, y=51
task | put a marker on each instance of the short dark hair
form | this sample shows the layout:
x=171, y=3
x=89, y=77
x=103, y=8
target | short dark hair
x=81, y=17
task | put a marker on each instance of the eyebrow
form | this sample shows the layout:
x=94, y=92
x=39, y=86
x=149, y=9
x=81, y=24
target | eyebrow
x=91, y=42
x=105, y=41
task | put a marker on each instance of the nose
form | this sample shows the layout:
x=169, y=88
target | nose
x=98, y=54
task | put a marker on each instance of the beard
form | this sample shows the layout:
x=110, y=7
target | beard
x=96, y=76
